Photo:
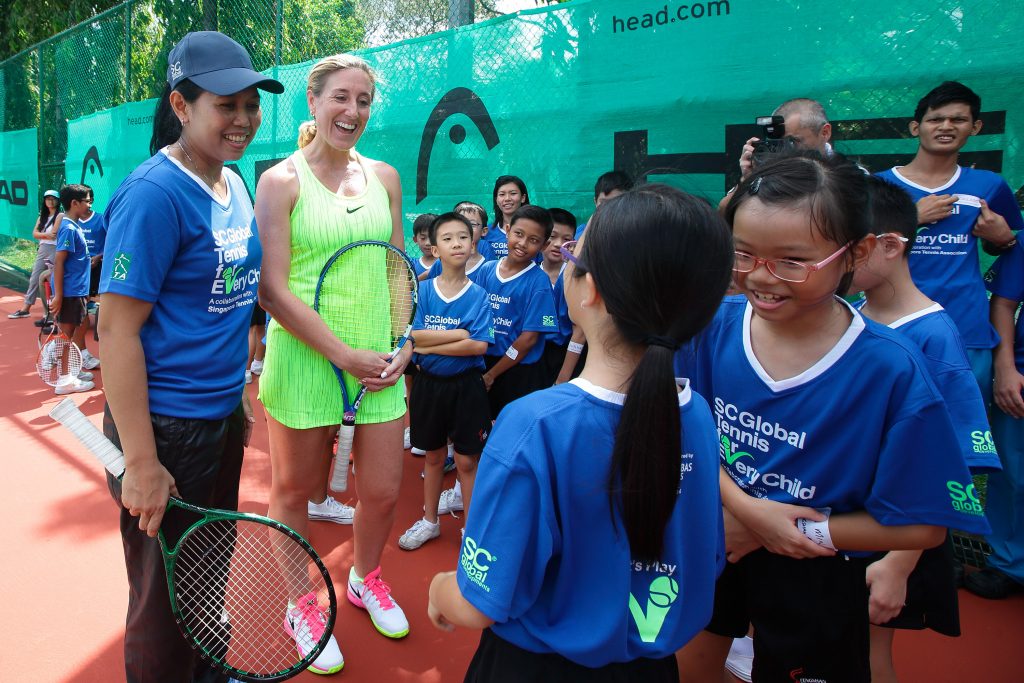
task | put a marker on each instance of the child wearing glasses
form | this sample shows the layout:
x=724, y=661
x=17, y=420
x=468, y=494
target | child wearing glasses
x=912, y=589
x=834, y=441
x=610, y=567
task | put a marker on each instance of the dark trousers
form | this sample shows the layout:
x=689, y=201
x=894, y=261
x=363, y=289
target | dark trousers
x=205, y=459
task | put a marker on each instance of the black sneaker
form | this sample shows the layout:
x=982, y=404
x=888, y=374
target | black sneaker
x=992, y=584
x=42, y=322
x=18, y=314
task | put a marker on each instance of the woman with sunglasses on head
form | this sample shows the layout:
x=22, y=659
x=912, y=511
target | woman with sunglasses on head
x=610, y=567
x=45, y=231
x=178, y=283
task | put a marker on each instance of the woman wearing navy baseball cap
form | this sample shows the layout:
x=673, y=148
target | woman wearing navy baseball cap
x=178, y=285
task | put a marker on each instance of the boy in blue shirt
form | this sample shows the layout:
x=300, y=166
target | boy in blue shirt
x=913, y=589
x=420, y=235
x=955, y=206
x=608, y=186
x=452, y=330
x=1004, y=505
x=553, y=265
x=523, y=308
x=71, y=281
x=95, y=230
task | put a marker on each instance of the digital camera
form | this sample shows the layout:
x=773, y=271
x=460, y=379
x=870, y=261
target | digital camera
x=773, y=137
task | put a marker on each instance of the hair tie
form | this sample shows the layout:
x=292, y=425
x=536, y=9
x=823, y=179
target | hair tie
x=665, y=342
x=756, y=185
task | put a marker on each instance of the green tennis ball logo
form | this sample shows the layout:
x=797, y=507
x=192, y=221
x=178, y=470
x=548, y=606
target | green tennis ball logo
x=662, y=593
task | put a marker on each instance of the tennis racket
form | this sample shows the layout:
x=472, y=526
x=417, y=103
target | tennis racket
x=234, y=579
x=59, y=360
x=367, y=296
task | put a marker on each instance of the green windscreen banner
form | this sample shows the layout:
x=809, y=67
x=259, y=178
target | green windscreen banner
x=104, y=147
x=666, y=91
x=20, y=193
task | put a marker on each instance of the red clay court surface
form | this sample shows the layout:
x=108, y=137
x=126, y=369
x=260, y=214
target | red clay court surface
x=64, y=588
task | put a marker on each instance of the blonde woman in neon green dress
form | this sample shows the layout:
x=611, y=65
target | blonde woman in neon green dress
x=321, y=198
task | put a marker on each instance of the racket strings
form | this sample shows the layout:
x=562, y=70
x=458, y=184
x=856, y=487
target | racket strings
x=234, y=580
x=59, y=360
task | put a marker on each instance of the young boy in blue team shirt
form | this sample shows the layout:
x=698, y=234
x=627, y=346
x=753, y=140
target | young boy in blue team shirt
x=420, y=235
x=608, y=186
x=1004, y=505
x=452, y=330
x=71, y=281
x=911, y=589
x=523, y=308
x=95, y=230
x=553, y=265
x=956, y=205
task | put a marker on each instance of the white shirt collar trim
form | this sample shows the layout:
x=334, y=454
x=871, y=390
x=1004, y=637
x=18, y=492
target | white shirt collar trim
x=934, y=308
x=932, y=190
x=609, y=396
x=445, y=299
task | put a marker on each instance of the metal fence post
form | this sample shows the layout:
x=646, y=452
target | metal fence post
x=128, y=51
x=278, y=28
x=461, y=12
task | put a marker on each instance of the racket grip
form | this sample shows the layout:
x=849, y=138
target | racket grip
x=339, y=480
x=68, y=414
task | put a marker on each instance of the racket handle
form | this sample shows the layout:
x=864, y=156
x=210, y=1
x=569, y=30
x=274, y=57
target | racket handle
x=68, y=414
x=339, y=480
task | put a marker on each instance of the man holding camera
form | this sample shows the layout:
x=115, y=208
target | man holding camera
x=805, y=126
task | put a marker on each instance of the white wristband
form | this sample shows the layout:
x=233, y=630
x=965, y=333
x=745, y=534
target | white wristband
x=575, y=347
x=512, y=352
x=817, y=531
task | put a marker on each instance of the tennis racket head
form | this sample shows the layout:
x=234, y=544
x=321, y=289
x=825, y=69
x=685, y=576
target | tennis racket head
x=240, y=586
x=367, y=296
x=59, y=359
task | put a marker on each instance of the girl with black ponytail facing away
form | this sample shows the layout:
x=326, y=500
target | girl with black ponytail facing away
x=610, y=565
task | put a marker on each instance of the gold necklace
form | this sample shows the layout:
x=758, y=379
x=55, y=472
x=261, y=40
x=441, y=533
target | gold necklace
x=195, y=167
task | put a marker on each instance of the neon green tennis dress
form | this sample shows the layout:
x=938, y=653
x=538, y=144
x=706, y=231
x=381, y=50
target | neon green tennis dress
x=298, y=387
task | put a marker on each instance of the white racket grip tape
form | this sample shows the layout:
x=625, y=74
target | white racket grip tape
x=68, y=414
x=339, y=480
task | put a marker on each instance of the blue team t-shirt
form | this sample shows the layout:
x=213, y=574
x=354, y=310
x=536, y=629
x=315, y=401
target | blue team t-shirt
x=556, y=573
x=564, y=332
x=864, y=428
x=1006, y=279
x=495, y=243
x=944, y=257
x=467, y=310
x=95, y=231
x=419, y=268
x=472, y=272
x=70, y=239
x=521, y=303
x=196, y=258
x=936, y=335
x=483, y=247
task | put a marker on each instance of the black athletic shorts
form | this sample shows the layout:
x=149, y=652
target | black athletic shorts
x=551, y=360
x=72, y=310
x=810, y=616
x=498, y=661
x=931, y=594
x=259, y=316
x=518, y=381
x=443, y=408
x=94, y=278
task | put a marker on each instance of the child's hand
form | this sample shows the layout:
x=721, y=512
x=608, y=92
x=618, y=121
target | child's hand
x=436, y=618
x=935, y=207
x=774, y=525
x=992, y=227
x=1007, y=392
x=488, y=380
x=739, y=541
x=55, y=304
x=888, y=587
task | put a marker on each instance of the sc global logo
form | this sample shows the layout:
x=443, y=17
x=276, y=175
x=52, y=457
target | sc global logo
x=455, y=101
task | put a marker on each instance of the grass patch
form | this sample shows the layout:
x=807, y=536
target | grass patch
x=18, y=252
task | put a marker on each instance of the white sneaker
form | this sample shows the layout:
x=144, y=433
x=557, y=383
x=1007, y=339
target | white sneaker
x=331, y=511
x=306, y=623
x=72, y=385
x=85, y=376
x=420, y=532
x=374, y=596
x=248, y=377
x=451, y=501
x=89, y=361
x=406, y=441
x=257, y=367
x=741, y=658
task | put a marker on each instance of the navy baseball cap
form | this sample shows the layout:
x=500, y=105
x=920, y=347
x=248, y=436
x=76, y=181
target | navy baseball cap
x=217, y=64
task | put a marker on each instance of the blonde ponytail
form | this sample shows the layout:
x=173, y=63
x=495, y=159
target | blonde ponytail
x=307, y=131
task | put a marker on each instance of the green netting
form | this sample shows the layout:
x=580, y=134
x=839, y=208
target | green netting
x=664, y=90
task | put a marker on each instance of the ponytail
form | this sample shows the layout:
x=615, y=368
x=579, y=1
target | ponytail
x=166, y=126
x=661, y=261
x=307, y=131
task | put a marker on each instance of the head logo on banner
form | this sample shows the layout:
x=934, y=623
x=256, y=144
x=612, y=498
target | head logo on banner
x=19, y=183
